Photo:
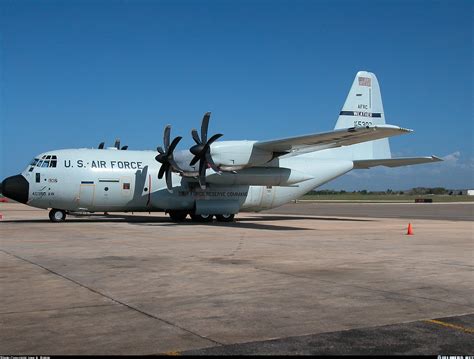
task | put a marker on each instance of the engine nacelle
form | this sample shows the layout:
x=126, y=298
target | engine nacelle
x=233, y=155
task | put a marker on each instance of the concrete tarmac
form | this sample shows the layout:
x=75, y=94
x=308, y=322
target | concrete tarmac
x=266, y=284
x=455, y=211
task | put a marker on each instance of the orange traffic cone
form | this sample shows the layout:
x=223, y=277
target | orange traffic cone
x=410, y=230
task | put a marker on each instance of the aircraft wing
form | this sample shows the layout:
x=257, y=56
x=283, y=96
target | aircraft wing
x=336, y=138
x=395, y=162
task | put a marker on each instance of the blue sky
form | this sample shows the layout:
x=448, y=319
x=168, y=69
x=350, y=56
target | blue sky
x=75, y=73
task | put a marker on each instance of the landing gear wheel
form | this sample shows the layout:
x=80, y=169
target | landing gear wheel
x=57, y=215
x=202, y=217
x=178, y=216
x=225, y=217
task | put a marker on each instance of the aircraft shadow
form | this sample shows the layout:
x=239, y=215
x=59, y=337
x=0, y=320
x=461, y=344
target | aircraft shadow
x=160, y=222
x=236, y=224
x=248, y=222
x=289, y=218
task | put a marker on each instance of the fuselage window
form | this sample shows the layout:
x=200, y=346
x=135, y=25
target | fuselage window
x=52, y=163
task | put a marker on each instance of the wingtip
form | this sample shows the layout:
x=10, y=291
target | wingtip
x=436, y=158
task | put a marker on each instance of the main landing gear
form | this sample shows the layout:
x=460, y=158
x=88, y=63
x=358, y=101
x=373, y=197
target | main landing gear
x=57, y=215
x=180, y=216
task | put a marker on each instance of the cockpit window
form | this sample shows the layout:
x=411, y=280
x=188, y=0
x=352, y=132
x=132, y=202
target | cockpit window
x=54, y=161
x=46, y=161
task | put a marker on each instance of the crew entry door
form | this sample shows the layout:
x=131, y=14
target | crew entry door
x=86, y=195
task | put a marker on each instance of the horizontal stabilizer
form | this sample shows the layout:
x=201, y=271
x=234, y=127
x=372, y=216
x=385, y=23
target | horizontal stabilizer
x=395, y=162
x=336, y=138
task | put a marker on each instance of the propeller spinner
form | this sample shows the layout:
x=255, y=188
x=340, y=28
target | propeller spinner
x=165, y=157
x=202, y=150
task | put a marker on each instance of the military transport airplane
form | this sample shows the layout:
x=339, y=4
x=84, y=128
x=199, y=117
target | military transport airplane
x=212, y=179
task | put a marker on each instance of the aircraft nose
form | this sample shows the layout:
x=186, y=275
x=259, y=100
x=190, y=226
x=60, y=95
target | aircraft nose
x=16, y=188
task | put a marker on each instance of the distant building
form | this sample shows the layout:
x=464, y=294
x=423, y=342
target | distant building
x=470, y=192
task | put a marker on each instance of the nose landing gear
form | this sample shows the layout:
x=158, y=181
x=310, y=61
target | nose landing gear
x=57, y=215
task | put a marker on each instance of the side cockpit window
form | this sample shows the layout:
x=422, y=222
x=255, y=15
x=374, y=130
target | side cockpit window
x=33, y=164
x=53, y=162
x=46, y=161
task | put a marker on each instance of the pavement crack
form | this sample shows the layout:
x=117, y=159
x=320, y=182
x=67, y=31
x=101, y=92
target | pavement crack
x=129, y=306
x=52, y=309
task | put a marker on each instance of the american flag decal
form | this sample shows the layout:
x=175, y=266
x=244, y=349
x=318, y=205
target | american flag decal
x=364, y=81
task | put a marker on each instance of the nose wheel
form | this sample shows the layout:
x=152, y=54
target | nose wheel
x=57, y=215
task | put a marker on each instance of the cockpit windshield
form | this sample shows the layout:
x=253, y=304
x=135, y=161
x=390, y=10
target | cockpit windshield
x=45, y=161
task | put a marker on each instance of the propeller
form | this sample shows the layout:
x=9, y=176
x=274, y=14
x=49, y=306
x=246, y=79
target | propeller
x=165, y=157
x=202, y=150
x=101, y=146
x=117, y=144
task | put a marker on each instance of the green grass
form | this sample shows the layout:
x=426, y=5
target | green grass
x=384, y=197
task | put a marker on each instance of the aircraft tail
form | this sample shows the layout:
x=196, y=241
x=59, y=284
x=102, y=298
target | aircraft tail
x=363, y=107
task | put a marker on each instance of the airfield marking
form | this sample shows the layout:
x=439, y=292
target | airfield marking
x=452, y=326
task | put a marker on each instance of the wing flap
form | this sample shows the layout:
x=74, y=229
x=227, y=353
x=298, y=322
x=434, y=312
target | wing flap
x=395, y=162
x=336, y=138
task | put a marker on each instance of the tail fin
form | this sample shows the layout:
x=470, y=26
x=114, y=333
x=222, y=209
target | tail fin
x=363, y=107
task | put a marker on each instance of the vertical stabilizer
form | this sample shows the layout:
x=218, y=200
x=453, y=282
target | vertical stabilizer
x=363, y=107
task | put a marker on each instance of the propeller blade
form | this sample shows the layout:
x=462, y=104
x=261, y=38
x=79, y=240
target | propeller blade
x=169, y=182
x=213, y=138
x=101, y=146
x=124, y=148
x=211, y=163
x=174, y=144
x=166, y=137
x=205, y=126
x=194, y=160
x=174, y=165
x=195, y=135
x=117, y=143
x=162, y=171
x=160, y=149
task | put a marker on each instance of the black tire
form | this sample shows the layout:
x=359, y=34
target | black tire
x=201, y=217
x=57, y=215
x=178, y=216
x=225, y=217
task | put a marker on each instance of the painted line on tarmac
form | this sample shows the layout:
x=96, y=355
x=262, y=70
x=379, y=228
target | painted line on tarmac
x=452, y=326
